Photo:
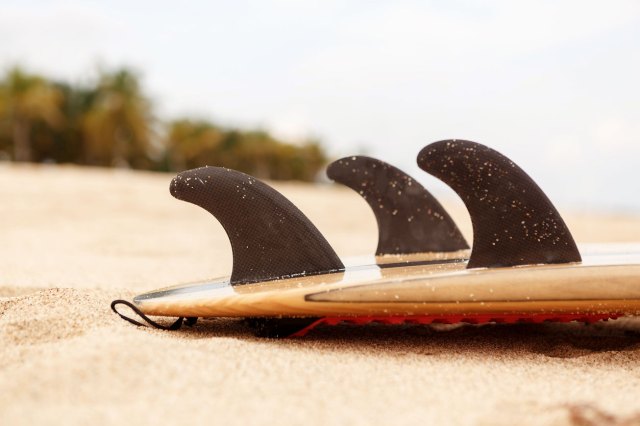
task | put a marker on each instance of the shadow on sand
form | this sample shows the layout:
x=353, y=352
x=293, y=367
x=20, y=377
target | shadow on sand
x=556, y=340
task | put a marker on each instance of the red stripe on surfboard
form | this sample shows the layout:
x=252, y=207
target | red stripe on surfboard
x=455, y=319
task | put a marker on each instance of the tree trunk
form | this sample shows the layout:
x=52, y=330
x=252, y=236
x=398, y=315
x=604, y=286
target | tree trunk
x=119, y=150
x=21, y=142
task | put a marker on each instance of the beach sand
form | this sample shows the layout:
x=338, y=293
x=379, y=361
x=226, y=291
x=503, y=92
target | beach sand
x=73, y=239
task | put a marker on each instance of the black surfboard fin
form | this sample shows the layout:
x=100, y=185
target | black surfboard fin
x=410, y=219
x=514, y=223
x=270, y=237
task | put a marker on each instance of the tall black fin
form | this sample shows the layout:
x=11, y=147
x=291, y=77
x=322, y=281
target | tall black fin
x=410, y=219
x=270, y=237
x=514, y=223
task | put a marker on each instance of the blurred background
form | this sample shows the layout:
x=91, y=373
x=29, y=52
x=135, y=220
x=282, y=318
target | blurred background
x=277, y=88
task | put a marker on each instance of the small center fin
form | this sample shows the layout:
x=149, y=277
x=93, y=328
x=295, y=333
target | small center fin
x=410, y=219
x=270, y=237
x=514, y=223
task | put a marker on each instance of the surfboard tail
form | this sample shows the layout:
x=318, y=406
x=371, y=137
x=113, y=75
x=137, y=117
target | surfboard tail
x=514, y=224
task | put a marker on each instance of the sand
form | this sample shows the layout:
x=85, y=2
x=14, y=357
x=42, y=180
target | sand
x=72, y=239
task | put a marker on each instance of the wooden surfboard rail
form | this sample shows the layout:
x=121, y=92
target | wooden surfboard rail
x=601, y=283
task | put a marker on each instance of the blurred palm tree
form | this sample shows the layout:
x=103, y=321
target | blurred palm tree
x=68, y=141
x=25, y=101
x=108, y=122
x=117, y=127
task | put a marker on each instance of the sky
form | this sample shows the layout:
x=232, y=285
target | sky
x=554, y=85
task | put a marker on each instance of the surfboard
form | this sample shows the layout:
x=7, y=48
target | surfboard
x=605, y=285
x=524, y=264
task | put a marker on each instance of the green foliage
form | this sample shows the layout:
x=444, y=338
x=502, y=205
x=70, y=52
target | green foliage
x=28, y=102
x=110, y=123
x=195, y=143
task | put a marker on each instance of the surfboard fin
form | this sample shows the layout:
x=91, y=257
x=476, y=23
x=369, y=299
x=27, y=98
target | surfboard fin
x=270, y=237
x=514, y=223
x=410, y=219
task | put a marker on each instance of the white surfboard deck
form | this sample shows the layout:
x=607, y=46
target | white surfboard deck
x=607, y=281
